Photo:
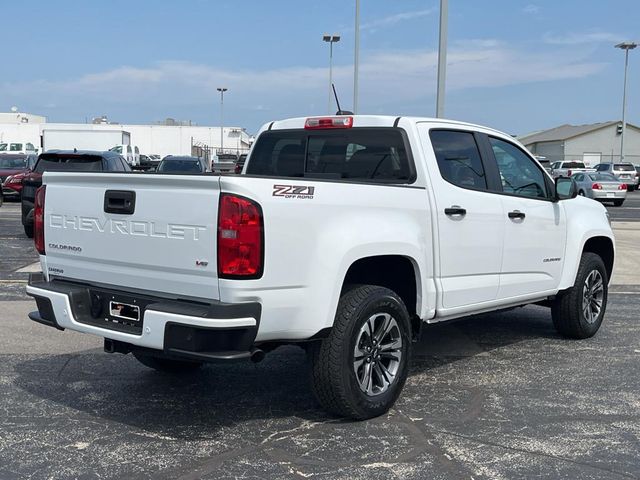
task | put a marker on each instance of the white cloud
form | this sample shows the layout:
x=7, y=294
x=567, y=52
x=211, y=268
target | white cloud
x=395, y=19
x=580, y=38
x=388, y=81
x=531, y=9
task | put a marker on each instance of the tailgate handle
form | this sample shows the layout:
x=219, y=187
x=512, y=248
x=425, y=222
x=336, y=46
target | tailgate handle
x=120, y=201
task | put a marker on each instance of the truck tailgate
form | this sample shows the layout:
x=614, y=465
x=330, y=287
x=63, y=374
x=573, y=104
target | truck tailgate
x=165, y=242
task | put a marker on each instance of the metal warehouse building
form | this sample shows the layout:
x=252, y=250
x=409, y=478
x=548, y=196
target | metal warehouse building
x=592, y=144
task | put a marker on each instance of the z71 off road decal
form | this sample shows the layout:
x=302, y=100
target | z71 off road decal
x=293, y=191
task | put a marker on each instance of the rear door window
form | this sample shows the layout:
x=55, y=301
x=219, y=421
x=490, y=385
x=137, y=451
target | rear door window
x=361, y=154
x=459, y=158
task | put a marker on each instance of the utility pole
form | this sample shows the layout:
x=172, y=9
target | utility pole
x=626, y=46
x=222, y=90
x=356, y=58
x=331, y=39
x=442, y=58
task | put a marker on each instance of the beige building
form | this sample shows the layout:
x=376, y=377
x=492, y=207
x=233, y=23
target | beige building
x=594, y=143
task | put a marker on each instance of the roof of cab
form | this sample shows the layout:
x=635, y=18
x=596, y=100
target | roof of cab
x=372, y=121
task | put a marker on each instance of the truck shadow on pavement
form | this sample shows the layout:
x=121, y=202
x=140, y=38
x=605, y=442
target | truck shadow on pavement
x=118, y=389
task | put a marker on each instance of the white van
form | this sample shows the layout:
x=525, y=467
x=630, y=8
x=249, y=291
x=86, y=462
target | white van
x=131, y=153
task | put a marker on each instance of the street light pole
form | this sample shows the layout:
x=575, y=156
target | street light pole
x=222, y=90
x=442, y=58
x=626, y=46
x=356, y=58
x=331, y=39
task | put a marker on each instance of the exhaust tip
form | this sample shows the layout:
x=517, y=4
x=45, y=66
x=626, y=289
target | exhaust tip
x=257, y=355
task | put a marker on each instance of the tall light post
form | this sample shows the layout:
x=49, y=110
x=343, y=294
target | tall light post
x=626, y=46
x=356, y=58
x=222, y=90
x=442, y=58
x=331, y=39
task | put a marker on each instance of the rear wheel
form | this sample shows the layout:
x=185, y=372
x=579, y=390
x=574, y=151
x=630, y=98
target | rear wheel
x=581, y=193
x=166, y=365
x=618, y=203
x=578, y=312
x=28, y=231
x=359, y=370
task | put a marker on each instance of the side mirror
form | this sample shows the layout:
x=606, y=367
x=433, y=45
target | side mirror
x=565, y=188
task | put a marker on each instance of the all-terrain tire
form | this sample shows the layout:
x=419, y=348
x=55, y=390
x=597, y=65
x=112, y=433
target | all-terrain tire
x=166, y=365
x=569, y=311
x=363, y=308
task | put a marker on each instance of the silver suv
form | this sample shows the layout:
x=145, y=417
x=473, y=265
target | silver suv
x=626, y=172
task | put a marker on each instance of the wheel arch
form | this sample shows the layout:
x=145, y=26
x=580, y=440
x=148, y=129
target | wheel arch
x=398, y=273
x=603, y=247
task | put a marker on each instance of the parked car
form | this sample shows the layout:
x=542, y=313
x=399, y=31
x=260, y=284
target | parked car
x=65, y=161
x=18, y=147
x=626, y=172
x=240, y=163
x=13, y=169
x=346, y=236
x=182, y=164
x=601, y=186
x=224, y=163
x=637, y=177
x=568, y=168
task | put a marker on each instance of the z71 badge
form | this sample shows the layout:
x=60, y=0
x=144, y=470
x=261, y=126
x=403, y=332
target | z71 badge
x=293, y=191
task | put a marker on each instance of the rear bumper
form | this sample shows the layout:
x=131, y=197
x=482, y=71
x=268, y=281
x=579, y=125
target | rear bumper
x=609, y=194
x=199, y=330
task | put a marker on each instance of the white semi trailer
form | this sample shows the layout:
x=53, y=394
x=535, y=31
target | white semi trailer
x=67, y=139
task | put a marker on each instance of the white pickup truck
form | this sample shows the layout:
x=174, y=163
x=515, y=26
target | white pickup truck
x=345, y=235
x=568, y=168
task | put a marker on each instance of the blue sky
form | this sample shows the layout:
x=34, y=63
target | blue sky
x=514, y=65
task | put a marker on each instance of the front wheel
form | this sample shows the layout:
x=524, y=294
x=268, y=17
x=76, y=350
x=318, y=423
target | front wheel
x=578, y=312
x=359, y=370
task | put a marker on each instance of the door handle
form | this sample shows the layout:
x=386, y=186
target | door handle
x=517, y=214
x=455, y=210
x=120, y=201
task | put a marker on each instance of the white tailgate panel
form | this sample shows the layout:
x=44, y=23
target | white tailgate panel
x=168, y=245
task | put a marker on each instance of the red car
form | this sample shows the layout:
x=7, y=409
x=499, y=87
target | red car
x=13, y=168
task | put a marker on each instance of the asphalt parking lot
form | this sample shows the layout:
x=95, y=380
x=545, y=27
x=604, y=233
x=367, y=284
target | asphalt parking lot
x=495, y=396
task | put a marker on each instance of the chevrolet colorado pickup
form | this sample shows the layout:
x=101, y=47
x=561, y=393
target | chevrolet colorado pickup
x=345, y=235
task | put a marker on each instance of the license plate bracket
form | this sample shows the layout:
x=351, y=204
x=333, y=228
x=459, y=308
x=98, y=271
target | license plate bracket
x=125, y=311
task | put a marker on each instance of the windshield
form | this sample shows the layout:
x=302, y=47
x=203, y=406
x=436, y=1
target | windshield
x=375, y=154
x=55, y=162
x=180, y=166
x=117, y=149
x=11, y=162
x=625, y=167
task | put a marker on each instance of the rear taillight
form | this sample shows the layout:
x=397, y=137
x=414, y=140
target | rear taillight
x=568, y=173
x=240, y=238
x=238, y=169
x=622, y=186
x=596, y=186
x=38, y=220
x=321, y=123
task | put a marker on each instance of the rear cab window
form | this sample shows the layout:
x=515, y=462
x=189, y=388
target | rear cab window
x=376, y=154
